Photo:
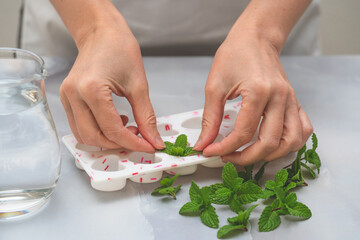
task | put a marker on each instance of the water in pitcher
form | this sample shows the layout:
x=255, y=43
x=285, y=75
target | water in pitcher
x=29, y=148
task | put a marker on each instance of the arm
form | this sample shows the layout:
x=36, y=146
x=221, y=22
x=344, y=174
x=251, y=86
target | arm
x=248, y=64
x=109, y=61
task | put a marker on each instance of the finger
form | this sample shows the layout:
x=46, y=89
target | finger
x=307, y=128
x=270, y=133
x=145, y=118
x=211, y=119
x=133, y=129
x=252, y=108
x=111, y=125
x=70, y=115
x=291, y=139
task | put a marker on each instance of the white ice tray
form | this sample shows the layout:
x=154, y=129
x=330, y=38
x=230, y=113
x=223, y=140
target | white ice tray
x=109, y=169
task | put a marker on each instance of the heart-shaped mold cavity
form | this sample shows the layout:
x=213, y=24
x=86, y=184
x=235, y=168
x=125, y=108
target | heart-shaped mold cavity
x=107, y=164
x=87, y=148
x=229, y=116
x=144, y=158
x=166, y=129
x=192, y=123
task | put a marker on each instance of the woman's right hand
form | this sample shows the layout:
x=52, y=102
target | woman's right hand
x=109, y=61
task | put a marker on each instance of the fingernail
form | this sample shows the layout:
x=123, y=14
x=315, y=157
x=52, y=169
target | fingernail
x=197, y=144
x=159, y=142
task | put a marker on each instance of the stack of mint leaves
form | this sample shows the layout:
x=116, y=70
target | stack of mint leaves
x=238, y=189
x=179, y=148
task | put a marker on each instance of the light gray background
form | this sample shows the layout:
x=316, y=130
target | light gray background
x=339, y=27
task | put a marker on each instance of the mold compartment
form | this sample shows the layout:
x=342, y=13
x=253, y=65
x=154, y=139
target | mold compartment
x=87, y=148
x=107, y=164
x=109, y=184
x=192, y=123
x=214, y=162
x=144, y=158
x=166, y=129
x=229, y=116
x=183, y=170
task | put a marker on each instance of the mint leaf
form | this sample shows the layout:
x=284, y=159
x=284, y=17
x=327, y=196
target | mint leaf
x=313, y=174
x=245, y=215
x=226, y=229
x=249, y=192
x=312, y=157
x=229, y=174
x=216, y=186
x=290, y=199
x=165, y=182
x=166, y=190
x=247, y=174
x=188, y=151
x=269, y=220
x=314, y=141
x=209, y=217
x=291, y=185
x=177, y=151
x=177, y=188
x=181, y=141
x=270, y=184
x=190, y=207
x=267, y=193
x=300, y=210
x=195, y=193
x=260, y=173
x=281, y=177
x=235, y=205
x=156, y=191
x=237, y=184
x=205, y=194
x=222, y=196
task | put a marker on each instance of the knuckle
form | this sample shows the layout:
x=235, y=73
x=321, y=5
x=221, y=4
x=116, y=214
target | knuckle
x=270, y=144
x=282, y=90
x=245, y=135
x=262, y=88
x=308, y=130
x=149, y=120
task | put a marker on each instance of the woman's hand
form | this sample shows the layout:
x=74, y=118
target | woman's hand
x=251, y=68
x=109, y=61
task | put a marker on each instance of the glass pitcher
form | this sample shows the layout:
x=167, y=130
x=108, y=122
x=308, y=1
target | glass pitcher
x=29, y=145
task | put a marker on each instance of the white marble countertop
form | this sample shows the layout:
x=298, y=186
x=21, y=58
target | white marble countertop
x=328, y=89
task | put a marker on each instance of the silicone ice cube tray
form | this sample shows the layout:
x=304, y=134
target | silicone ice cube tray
x=109, y=169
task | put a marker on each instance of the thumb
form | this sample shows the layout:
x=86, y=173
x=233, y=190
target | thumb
x=212, y=118
x=146, y=121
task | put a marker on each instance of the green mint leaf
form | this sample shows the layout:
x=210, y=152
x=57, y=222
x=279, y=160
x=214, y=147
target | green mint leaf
x=181, y=141
x=300, y=152
x=229, y=174
x=291, y=185
x=177, y=188
x=260, y=173
x=216, y=186
x=209, y=217
x=165, y=182
x=247, y=174
x=314, y=141
x=269, y=220
x=234, y=220
x=222, y=196
x=172, y=179
x=313, y=174
x=244, y=216
x=195, y=193
x=190, y=207
x=280, y=193
x=237, y=184
x=188, y=151
x=270, y=184
x=226, y=229
x=267, y=193
x=300, y=210
x=205, y=194
x=166, y=190
x=290, y=199
x=249, y=192
x=177, y=151
x=281, y=177
x=156, y=191
x=168, y=144
x=312, y=157
x=235, y=205
x=276, y=204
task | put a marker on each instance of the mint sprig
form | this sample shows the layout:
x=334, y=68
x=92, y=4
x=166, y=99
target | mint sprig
x=238, y=222
x=200, y=204
x=247, y=175
x=179, y=148
x=166, y=187
x=234, y=191
x=285, y=203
